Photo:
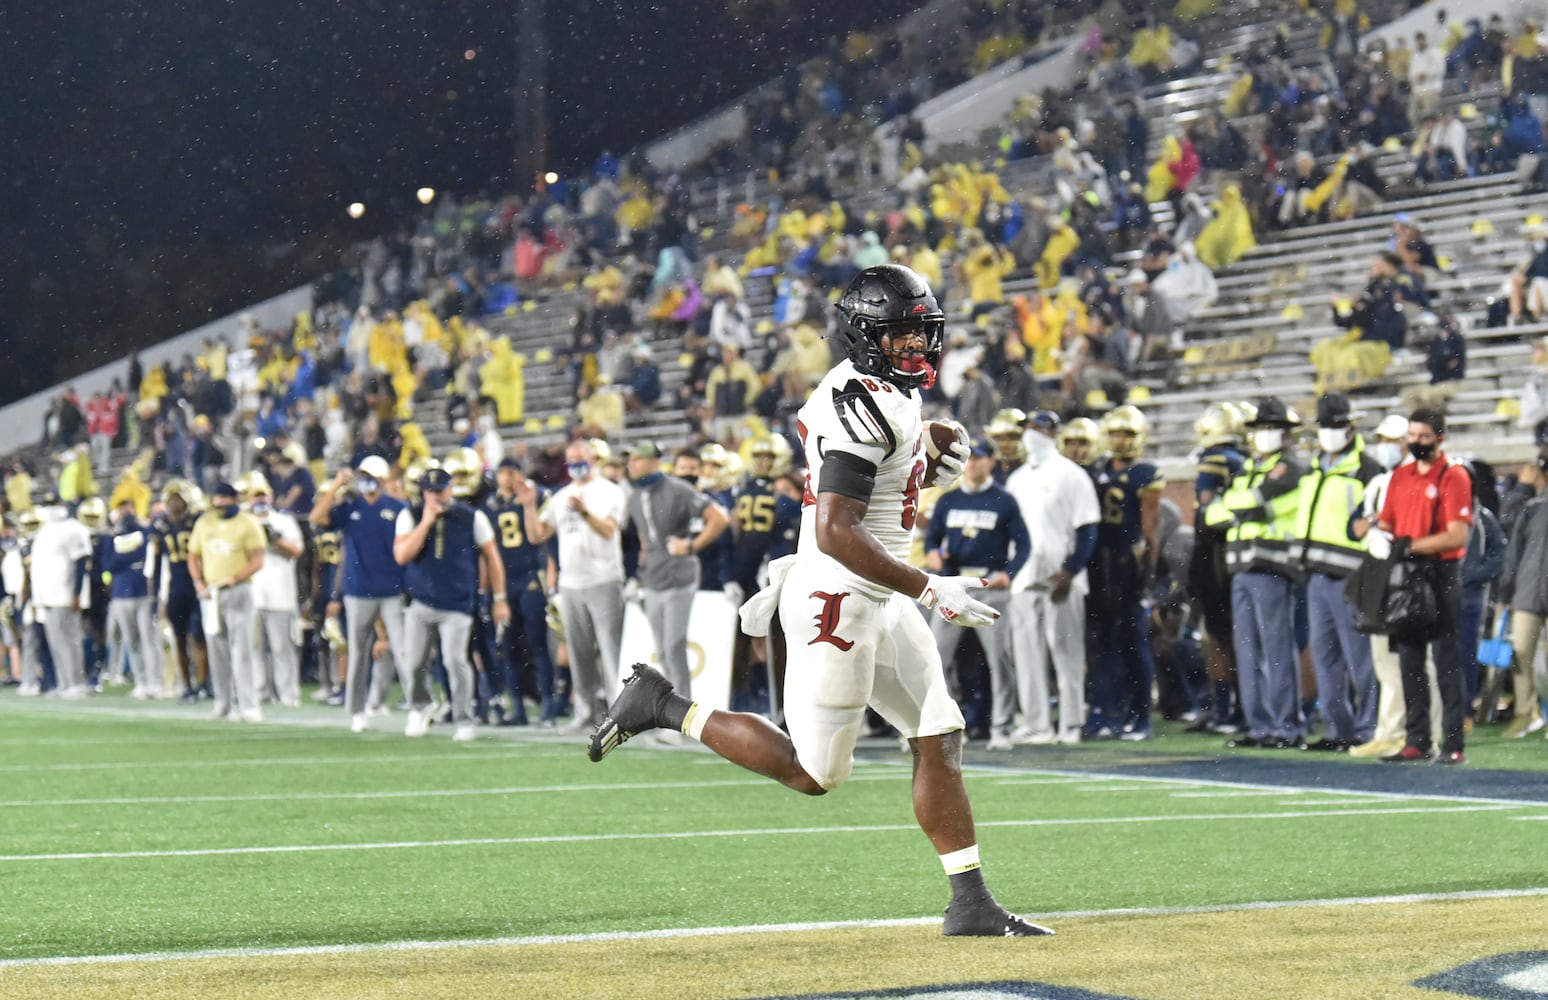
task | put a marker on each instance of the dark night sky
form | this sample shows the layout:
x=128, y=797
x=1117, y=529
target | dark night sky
x=173, y=161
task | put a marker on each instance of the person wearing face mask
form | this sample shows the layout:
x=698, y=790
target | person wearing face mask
x=373, y=580
x=1058, y=503
x=1388, y=450
x=1426, y=514
x=587, y=515
x=1330, y=512
x=1524, y=588
x=275, y=593
x=675, y=523
x=225, y=551
x=976, y=530
x=1258, y=512
x=125, y=559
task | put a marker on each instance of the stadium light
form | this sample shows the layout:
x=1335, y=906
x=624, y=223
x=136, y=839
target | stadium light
x=356, y=209
x=470, y=54
x=550, y=178
x=425, y=195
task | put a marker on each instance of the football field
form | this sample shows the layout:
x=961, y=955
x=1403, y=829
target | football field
x=146, y=851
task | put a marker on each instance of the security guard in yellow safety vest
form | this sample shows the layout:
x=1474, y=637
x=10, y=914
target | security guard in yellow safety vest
x=1330, y=514
x=1259, y=511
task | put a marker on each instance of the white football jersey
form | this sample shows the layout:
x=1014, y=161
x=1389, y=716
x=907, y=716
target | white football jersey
x=871, y=419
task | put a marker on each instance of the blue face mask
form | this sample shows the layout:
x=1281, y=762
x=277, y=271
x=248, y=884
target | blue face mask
x=262, y=507
x=578, y=470
x=368, y=484
x=229, y=511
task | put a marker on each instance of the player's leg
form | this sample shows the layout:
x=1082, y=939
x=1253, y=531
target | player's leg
x=1065, y=627
x=360, y=620
x=1029, y=648
x=910, y=692
x=530, y=626
x=392, y=612
x=199, y=648
x=415, y=635
x=236, y=613
x=454, y=629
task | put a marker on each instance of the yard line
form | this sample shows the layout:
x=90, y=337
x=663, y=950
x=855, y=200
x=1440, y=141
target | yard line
x=394, y=845
x=1287, y=789
x=670, y=933
x=1040, y=781
x=1531, y=819
x=408, y=793
x=1235, y=793
x=1116, y=788
x=380, y=755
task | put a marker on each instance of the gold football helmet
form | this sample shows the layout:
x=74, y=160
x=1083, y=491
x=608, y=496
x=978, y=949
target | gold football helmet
x=1127, y=431
x=28, y=522
x=92, y=512
x=417, y=468
x=466, y=469
x=251, y=484
x=1221, y=423
x=1078, y=440
x=1006, y=429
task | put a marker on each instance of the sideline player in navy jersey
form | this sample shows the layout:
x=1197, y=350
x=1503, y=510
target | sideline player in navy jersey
x=514, y=506
x=1219, y=433
x=327, y=609
x=174, y=586
x=761, y=520
x=716, y=563
x=1129, y=491
x=846, y=599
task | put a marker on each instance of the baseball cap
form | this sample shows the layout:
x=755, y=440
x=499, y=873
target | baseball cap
x=509, y=462
x=643, y=449
x=224, y=490
x=1393, y=427
x=1046, y=420
x=1334, y=410
x=374, y=466
x=435, y=480
x=982, y=448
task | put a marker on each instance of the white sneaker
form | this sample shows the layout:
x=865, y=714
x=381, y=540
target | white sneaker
x=418, y=723
x=358, y=723
x=252, y=715
x=290, y=702
x=28, y=691
x=379, y=711
x=220, y=711
x=1000, y=741
x=322, y=693
x=140, y=694
x=1025, y=736
x=75, y=693
x=465, y=732
x=1071, y=738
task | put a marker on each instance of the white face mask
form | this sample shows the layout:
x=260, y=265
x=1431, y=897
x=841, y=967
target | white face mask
x=1538, y=246
x=1387, y=453
x=1266, y=442
x=1333, y=439
x=1040, y=447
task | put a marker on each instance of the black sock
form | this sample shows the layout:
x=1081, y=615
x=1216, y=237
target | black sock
x=969, y=887
x=672, y=710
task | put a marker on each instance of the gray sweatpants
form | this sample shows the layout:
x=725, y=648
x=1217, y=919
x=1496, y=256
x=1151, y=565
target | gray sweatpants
x=66, y=638
x=274, y=630
x=667, y=611
x=1346, y=676
x=1268, y=672
x=453, y=629
x=135, y=623
x=593, y=624
x=32, y=656
x=996, y=640
x=360, y=615
x=1040, y=627
x=233, y=670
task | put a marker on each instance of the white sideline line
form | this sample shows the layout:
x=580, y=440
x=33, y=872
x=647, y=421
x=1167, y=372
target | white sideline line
x=710, y=932
x=381, y=754
x=1115, y=788
x=1532, y=819
x=1038, y=781
x=1285, y=789
x=694, y=834
x=1353, y=800
x=643, y=786
x=1236, y=793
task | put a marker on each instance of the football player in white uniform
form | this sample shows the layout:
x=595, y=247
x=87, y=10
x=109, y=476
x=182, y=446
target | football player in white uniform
x=843, y=599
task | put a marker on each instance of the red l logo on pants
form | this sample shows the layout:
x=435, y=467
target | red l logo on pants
x=827, y=620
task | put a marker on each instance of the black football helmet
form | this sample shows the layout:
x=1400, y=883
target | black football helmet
x=882, y=300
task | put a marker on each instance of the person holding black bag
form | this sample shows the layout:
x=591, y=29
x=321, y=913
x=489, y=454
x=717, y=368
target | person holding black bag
x=1425, y=519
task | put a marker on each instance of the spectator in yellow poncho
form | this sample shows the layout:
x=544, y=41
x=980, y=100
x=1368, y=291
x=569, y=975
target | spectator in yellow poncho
x=636, y=212
x=605, y=285
x=385, y=350
x=154, y=385
x=1062, y=241
x=1348, y=362
x=302, y=337
x=600, y=410
x=404, y=385
x=504, y=382
x=1226, y=237
x=75, y=479
x=1159, y=180
x=1236, y=100
x=927, y=263
x=276, y=374
x=18, y=491
x=1040, y=323
x=130, y=488
x=985, y=268
x=415, y=445
x=1152, y=47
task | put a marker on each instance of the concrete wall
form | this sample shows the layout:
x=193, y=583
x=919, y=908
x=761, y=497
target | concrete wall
x=1457, y=12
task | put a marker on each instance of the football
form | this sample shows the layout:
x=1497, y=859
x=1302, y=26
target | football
x=939, y=436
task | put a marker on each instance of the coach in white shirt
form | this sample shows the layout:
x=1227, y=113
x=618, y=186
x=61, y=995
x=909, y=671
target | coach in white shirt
x=586, y=515
x=274, y=593
x=1048, y=597
x=61, y=555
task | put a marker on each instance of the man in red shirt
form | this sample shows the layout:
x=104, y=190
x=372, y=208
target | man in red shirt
x=1426, y=515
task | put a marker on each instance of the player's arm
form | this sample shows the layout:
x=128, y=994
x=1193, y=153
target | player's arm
x=715, y=523
x=322, y=505
x=539, y=528
x=1150, y=521
x=843, y=536
x=491, y=566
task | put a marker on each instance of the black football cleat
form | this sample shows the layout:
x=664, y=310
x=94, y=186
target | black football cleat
x=637, y=709
x=991, y=921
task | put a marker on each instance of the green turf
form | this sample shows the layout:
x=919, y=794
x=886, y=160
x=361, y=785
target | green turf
x=855, y=854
